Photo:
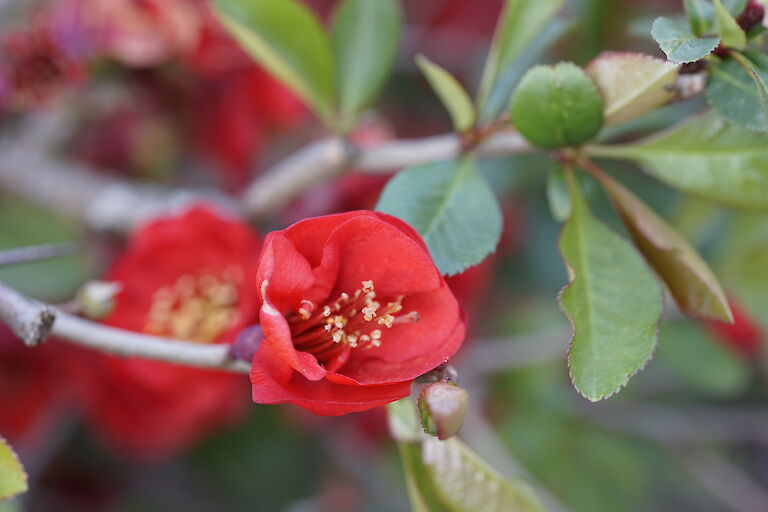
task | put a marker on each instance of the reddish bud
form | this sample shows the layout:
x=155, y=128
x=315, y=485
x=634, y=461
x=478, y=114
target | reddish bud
x=442, y=407
x=753, y=15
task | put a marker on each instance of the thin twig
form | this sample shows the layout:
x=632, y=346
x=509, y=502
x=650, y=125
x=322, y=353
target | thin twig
x=33, y=322
x=36, y=253
x=735, y=488
x=29, y=320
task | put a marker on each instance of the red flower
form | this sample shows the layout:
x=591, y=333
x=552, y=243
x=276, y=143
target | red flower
x=353, y=309
x=35, y=385
x=190, y=277
x=743, y=336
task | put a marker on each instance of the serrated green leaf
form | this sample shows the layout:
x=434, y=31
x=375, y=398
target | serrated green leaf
x=451, y=94
x=707, y=157
x=465, y=483
x=557, y=106
x=692, y=283
x=13, y=478
x=679, y=43
x=505, y=83
x=737, y=90
x=558, y=197
x=632, y=84
x=287, y=39
x=701, y=15
x=365, y=39
x=701, y=361
x=453, y=209
x=520, y=22
x=613, y=302
x=731, y=34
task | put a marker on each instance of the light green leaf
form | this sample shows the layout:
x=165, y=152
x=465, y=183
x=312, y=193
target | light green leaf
x=403, y=421
x=678, y=42
x=737, y=90
x=701, y=361
x=692, y=283
x=13, y=478
x=557, y=106
x=632, y=84
x=451, y=93
x=701, y=14
x=451, y=206
x=557, y=195
x=366, y=37
x=707, y=157
x=730, y=32
x=465, y=483
x=613, y=302
x=288, y=40
x=518, y=25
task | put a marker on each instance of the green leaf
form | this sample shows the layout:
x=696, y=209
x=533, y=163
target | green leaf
x=737, y=90
x=557, y=106
x=498, y=98
x=520, y=22
x=632, y=84
x=403, y=421
x=701, y=15
x=613, y=302
x=692, y=283
x=287, y=39
x=463, y=482
x=451, y=206
x=13, y=478
x=706, y=157
x=678, y=42
x=365, y=40
x=451, y=93
x=701, y=361
x=730, y=32
x=557, y=195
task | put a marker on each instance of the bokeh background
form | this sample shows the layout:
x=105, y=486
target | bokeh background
x=155, y=91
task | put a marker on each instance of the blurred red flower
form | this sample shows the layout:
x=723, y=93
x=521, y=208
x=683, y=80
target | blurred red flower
x=35, y=386
x=189, y=277
x=744, y=336
x=353, y=309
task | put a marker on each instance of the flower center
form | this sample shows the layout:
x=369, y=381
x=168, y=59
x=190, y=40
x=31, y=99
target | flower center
x=197, y=308
x=350, y=321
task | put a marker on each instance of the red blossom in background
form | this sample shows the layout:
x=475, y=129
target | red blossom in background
x=353, y=310
x=35, y=386
x=743, y=336
x=190, y=277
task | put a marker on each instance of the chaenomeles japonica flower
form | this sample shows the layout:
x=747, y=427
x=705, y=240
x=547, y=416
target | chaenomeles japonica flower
x=352, y=310
x=189, y=277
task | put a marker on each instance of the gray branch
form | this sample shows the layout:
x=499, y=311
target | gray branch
x=29, y=320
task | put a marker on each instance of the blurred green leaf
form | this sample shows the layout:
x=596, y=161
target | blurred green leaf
x=451, y=205
x=707, y=157
x=632, y=84
x=13, y=478
x=403, y=421
x=701, y=15
x=287, y=39
x=520, y=22
x=731, y=34
x=467, y=484
x=702, y=362
x=23, y=225
x=679, y=43
x=613, y=302
x=365, y=36
x=451, y=93
x=737, y=90
x=689, y=278
x=557, y=195
x=557, y=106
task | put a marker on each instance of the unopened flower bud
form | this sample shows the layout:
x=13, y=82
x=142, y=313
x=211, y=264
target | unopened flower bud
x=442, y=407
x=97, y=298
